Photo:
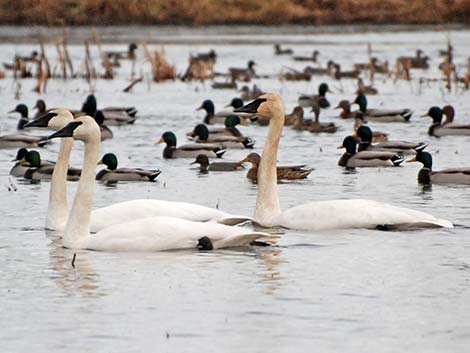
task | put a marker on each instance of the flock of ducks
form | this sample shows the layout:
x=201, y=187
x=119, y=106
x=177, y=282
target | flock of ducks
x=156, y=225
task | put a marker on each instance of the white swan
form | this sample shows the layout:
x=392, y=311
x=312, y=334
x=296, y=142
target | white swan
x=58, y=211
x=321, y=215
x=148, y=234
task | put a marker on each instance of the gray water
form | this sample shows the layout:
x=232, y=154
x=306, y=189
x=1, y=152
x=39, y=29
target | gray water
x=343, y=291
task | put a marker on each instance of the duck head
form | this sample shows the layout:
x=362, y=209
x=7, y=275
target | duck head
x=251, y=63
x=22, y=109
x=201, y=131
x=345, y=105
x=40, y=105
x=364, y=133
x=233, y=121
x=449, y=112
x=201, y=159
x=110, y=160
x=253, y=158
x=424, y=158
x=169, y=138
x=235, y=103
x=322, y=89
x=55, y=119
x=20, y=155
x=83, y=128
x=349, y=143
x=435, y=113
x=89, y=106
x=208, y=106
x=33, y=158
x=361, y=101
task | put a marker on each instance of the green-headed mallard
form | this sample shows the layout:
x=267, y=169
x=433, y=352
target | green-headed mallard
x=279, y=51
x=365, y=135
x=201, y=135
x=353, y=159
x=283, y=172
x=113, y=173
x=438, y=129
x=205, y=165
x=22, y=165
x=41, y=171
x=22, y=109
x=320, y=98
x=377, y=136
x=192, y=150
x=219, y=117
x=230, y=128
x=446, y=176
x=119, y=55
x=112, y=115
x=382, y=115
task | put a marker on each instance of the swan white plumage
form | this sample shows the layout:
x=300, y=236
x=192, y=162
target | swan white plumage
x=58, y=211
x=148, y=234
x=320, y=215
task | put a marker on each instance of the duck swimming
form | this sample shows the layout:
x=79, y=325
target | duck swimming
x=43, y=171
x=22, y=109
x=448, y=129
x=22, y=165
x=320, y=215
x=148, y=234
x=294, y=172
x=446, y=176
x=365, y=135
x=382, y=115
x=319, y=99
x=113, y=173
x=113, y=116
x=219, y=117
x=243, y=74
x=377, y=136
x=205, y=165
x=201, y=135
x=192, y=150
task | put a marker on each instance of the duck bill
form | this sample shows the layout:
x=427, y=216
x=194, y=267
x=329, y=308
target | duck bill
x=160, y=141
x=244, y=122
x=66, y=131
x=99, y=162
x=411, y=160
x=12, y=111
x=42, y=121
x=252, y=107
x=339, y=147
x=199, y=108
x=426, y=115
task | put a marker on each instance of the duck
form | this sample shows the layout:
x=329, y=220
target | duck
x=377, y=136
x=22, y=165
x=313, y=58
x=122, y=55
x=145, y=234
x=22, y=109
x=449, y=112
x=243, y=74
x=219, y=117
x=353, y=159
x=201, y=135
x=438, y=129
x=317, y=126
x=113, y=173
x=365, y=135
x=380, y=115
x=320, y=98
x=192, y=150
x=416, y=62
x=338, y=74
x=346, y=112
x=293, y=118
x=43, y=171
x=328, y=70
x=247, y=94
x=446, y=176
x=14, y=141
x=362, y=88
x=279, y=51
x=205, y=165
x=58, y=211
x=113, y=116
x=294, y=172
x=41, y=107
x=230, y=128
x=320, y=215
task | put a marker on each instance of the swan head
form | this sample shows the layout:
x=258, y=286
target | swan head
x=83, y=128
x=55, y=119
x=267, y=106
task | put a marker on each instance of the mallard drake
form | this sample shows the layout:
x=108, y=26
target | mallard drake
x=230, y=128
x=248, y=95
x=320, y=98
x=22, y=109
x=21, y=165
x=279, y=51
x=113, y=173
x=438, y=129
x=112, y=115
x=362, y=88
x=313, y=57
x=219, y=117
x=380, y=115
x=21, y=140
x=318, y=127
x=353, y=159
x=446, y=176
x=364, y=133
x=293, y=118
x=243, y=74
x=283, y=172
x=42, y=171
x=377, y=136
x=205, y=166
x=201, y=135
x=192, y=150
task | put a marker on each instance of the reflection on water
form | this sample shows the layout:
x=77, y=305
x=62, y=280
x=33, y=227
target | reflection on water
x=345, y=291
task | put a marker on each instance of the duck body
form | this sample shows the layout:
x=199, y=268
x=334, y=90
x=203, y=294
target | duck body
x=404, y=147
x=244, y=74
x=38, y=170
x=206, y=166
x=113, y=173
x=190, y=150
x=113, y=116
x=14, y=141
x=382, y=115
x=201, y=135
x=438, y=129
x=319, y=99
x=22, y=164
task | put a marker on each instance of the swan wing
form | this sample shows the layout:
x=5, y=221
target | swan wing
x=356, y=213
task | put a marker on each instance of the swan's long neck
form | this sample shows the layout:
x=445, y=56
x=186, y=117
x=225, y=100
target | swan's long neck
x=78, y=225
x=267, y=201
x=58, y=209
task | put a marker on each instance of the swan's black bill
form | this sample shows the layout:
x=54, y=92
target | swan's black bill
x=42, y=121
x=251, y=107
x=66, y=131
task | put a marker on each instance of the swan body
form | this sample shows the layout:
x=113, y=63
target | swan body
x=148, y=234
x=324, y=215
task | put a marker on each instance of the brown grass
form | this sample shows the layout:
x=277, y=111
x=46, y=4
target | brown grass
x=205, y=12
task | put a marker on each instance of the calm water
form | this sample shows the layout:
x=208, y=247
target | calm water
x=345, y=291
